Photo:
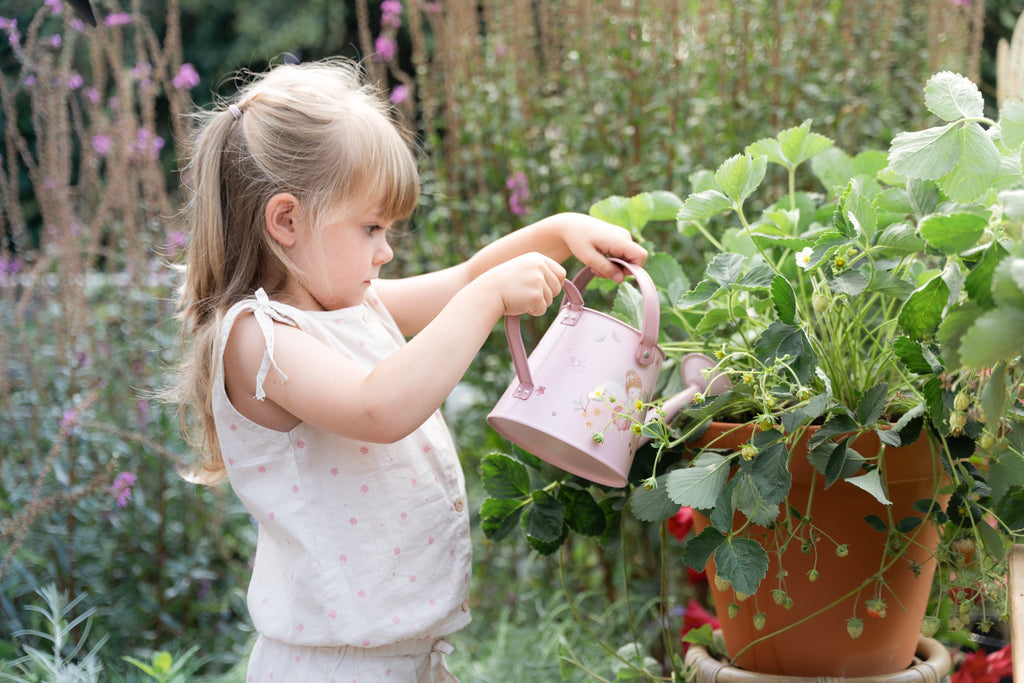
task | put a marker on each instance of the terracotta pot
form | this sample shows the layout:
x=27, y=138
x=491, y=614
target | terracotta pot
x=931, y=664
x=821, y=646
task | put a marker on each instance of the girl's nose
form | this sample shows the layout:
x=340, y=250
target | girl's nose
x=383, y=254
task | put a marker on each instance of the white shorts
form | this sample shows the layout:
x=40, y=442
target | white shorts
x=272, y=661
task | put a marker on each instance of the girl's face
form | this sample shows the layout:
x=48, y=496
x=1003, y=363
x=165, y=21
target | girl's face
x=337, y=261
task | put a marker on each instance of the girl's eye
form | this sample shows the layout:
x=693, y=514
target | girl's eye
x=371, y=229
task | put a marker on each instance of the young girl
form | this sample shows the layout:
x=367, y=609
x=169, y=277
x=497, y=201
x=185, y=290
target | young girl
x=308, y=398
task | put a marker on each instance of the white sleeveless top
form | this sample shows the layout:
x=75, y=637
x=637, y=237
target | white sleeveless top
x=360, y=544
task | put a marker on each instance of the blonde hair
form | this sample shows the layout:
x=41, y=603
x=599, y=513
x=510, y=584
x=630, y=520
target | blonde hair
x=315, y=130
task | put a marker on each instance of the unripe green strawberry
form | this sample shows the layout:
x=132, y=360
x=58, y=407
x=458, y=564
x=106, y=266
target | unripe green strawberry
x=930, y=626
x=812, y=575
x=787, y=603
x=779, y=596
x=759, y=620
x=854, y=627
x=741, y=596
x=721, y=584
x=843, y=550
x=734, y=609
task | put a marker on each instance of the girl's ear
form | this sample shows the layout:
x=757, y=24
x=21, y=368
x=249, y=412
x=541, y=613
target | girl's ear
x=283, y=216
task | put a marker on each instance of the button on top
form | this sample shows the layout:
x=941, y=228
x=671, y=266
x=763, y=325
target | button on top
x=459, y=505
x=465, y=605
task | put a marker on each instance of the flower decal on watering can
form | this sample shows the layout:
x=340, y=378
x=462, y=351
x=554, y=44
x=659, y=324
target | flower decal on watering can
x=615, y=404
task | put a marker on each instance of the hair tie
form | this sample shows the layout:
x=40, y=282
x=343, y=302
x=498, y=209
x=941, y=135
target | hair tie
x=236, y=113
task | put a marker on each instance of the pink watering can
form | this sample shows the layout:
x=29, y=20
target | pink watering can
x=576, y=399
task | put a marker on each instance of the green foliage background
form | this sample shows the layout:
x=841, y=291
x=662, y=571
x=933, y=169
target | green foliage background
x=584, y=98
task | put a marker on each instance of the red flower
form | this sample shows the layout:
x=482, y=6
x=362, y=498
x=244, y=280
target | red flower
x=984, y=667
x=695, y=616
x=682, y=523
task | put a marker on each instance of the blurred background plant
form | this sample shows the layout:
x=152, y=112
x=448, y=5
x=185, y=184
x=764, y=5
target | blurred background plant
x=523, y=108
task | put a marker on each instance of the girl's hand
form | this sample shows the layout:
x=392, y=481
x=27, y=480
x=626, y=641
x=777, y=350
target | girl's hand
x=592, y=241
x=525, y=284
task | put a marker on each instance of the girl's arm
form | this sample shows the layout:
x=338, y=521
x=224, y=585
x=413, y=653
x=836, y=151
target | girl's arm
x=393, y=399
x=415, y=301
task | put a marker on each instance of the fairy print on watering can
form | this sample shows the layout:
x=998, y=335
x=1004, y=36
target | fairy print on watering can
x=577, y=401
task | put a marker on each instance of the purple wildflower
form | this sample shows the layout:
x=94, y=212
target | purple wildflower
x=56, y=40
x=399, y=94
x=93, y=94
x=121, y=489
x=391, y=13
x=176, y=241
x=68, y=419
x=101, y=144
x=386, y=48
x=75, y=81
x=186, y=78
x=146, y=143
x=519, y=193
x=8, y=24
x=118, y=19
x=56, y=6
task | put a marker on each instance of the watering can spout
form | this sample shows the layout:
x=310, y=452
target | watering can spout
x=693, y=368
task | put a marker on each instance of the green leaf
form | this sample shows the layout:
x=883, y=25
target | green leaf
x=849, y=282
x=725, y=269
x=704, y=205
x=921, y=313
x=996, y=336
x=784, y=299
x=1008, y=283
x=978, y=165
x=769, y=473
x=654, y=504
x=833, y=168
x=1011, y=124
x=162, y=661
x=750, y=502
x=952, y=97
x=872, y=483
x=664, y=205
x=632, y=213
x=978, y=283
x=499, y=516
x=911, y=354
x=791, y=147
x=699, y=484
x=614, y=210
x=953, y=233
x=871, y=404
x=743, y=563
x=702, y=293
x=860, y=210
x=779, y=340
x=740, y=175
x=545, y=518
x=504, y=477
x=582, y=512
x=667, y=274
x=832, y=464
x=923, y=196
x=699, y=549
x=928, y=154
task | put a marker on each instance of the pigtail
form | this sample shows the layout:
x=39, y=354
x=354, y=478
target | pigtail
x=200, y=294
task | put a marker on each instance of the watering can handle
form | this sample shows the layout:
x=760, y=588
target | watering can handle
x=651, y=323
x=572, y=306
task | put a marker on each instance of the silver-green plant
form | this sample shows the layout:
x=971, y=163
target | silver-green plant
x=65, y=660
